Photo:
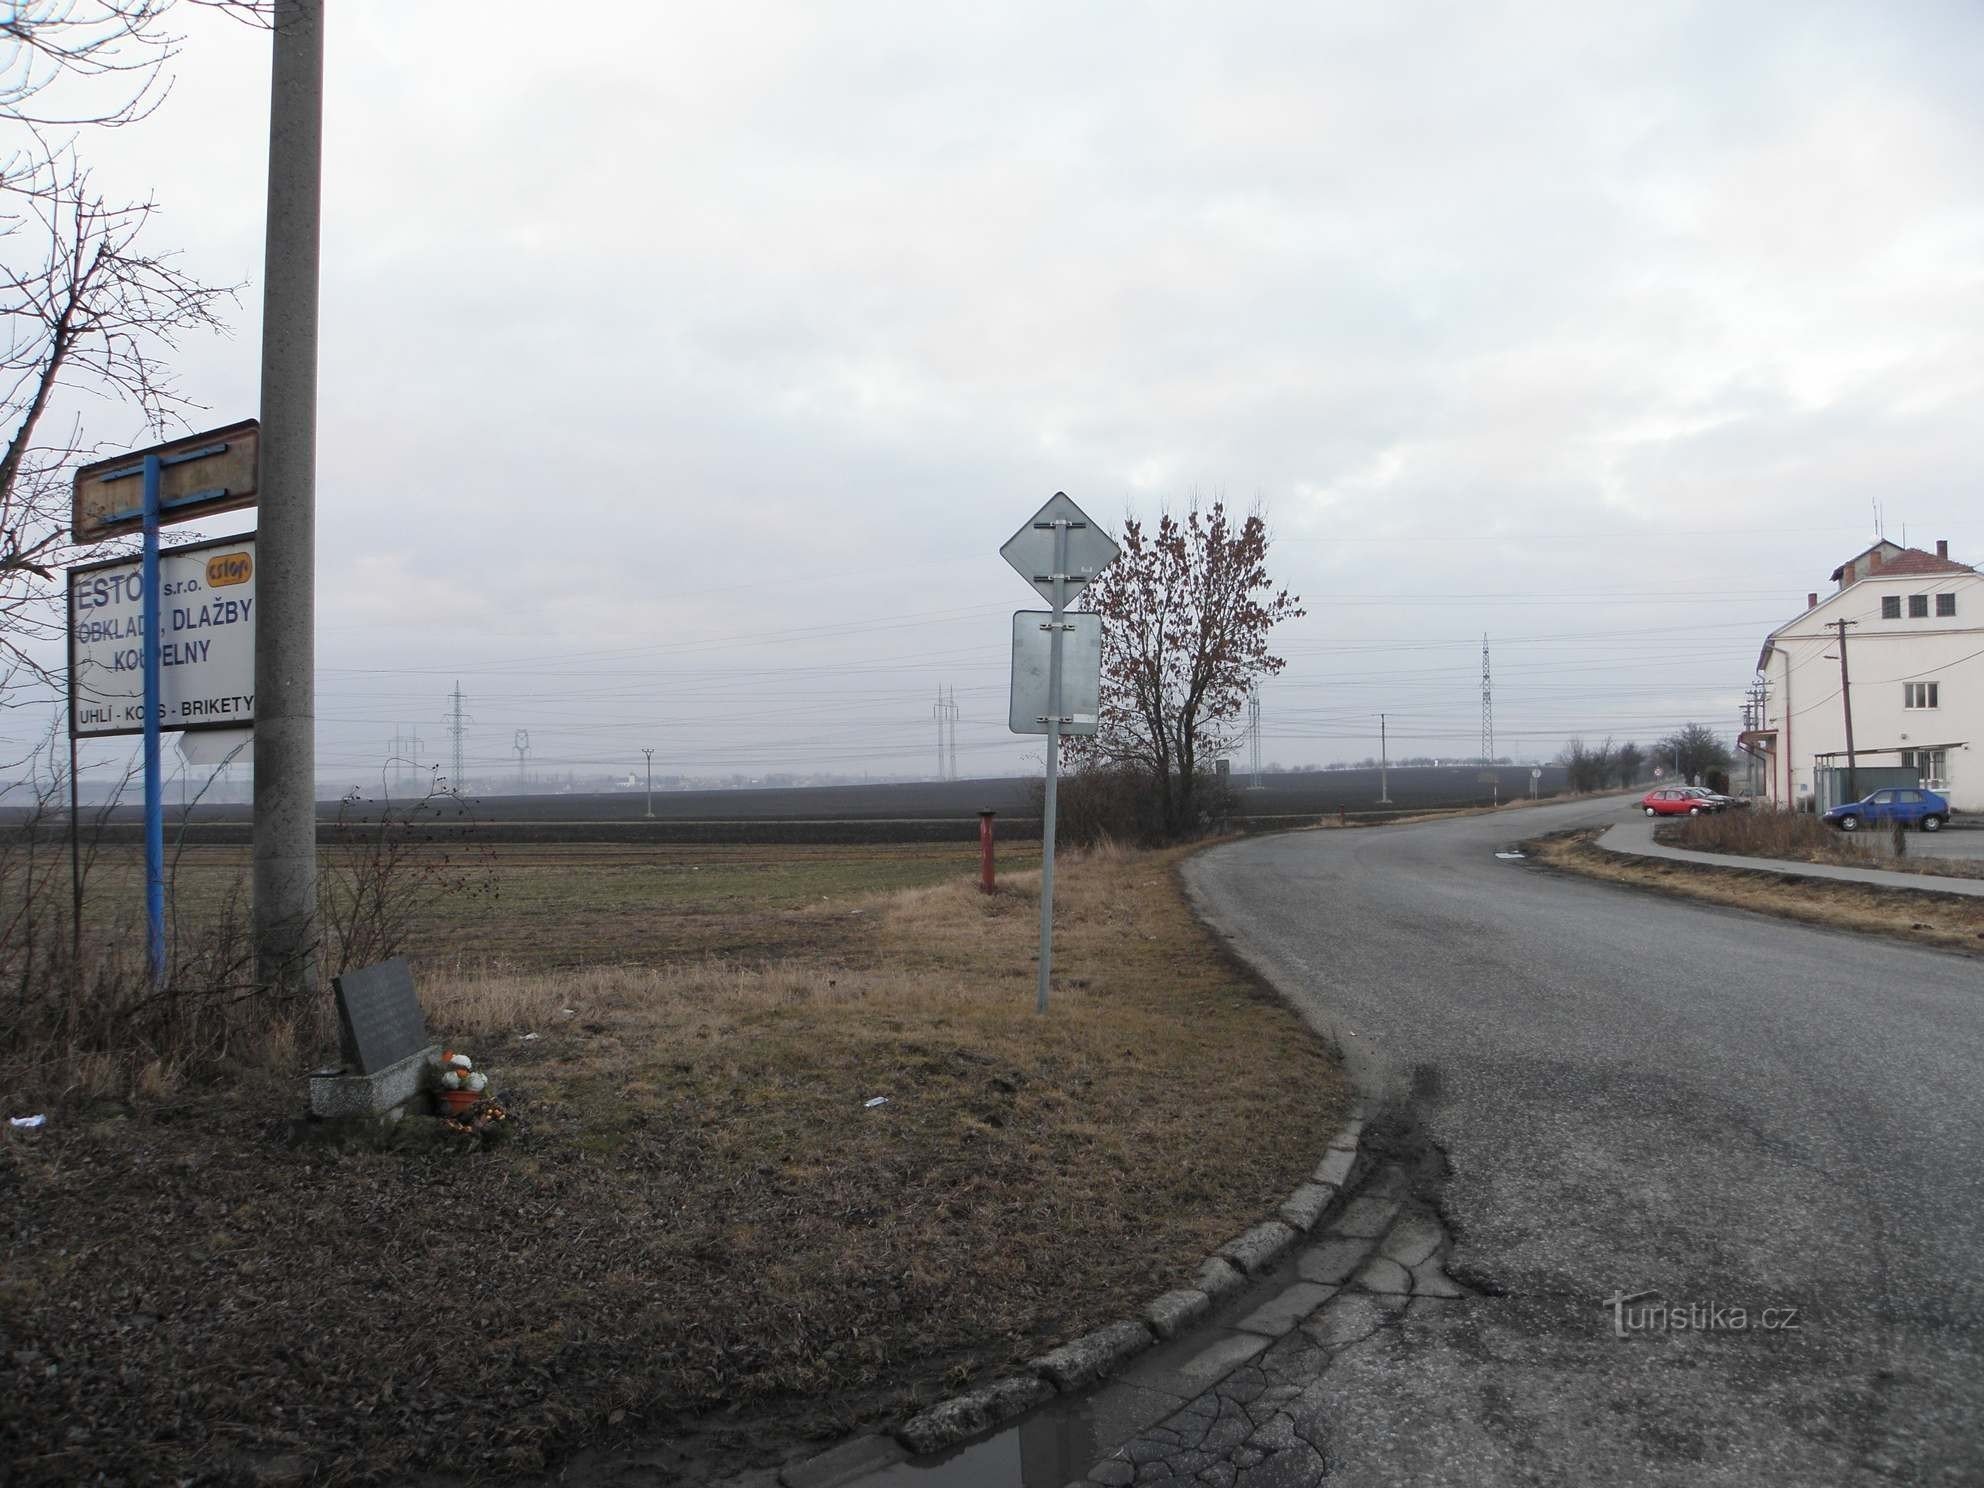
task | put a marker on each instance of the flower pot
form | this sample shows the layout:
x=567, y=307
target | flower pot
x=458, y=1102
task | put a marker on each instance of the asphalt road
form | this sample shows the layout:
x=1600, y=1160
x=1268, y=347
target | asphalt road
x=1638, y=1094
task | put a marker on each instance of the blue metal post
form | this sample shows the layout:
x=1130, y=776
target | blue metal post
x=154, y=783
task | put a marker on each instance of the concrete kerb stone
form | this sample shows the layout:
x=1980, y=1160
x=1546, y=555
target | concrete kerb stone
x=1260, y=1247
x=1219, y=1278
x=964, y=1416
x=1308, y=1204
x=1080, y=1363
x=1086, y=1360
x=1335, y=1168
x=1174, y=1312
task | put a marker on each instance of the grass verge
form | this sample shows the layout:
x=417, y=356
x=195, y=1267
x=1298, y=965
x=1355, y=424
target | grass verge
x=1800, y=838
x=698, y=1228
x=1922, y=917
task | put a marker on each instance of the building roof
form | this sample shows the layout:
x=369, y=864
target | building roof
x=1906, y=561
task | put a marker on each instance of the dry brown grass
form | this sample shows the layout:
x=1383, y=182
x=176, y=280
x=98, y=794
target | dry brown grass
x=698, y=1212
x=1923, y=917
x=1800, y=837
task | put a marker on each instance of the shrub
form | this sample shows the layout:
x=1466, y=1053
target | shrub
x=1764, y=833
x=1101, y=803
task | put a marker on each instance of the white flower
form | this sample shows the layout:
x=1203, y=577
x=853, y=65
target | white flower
x=460, y=1061
x=478, y=1082
x=452, y=1080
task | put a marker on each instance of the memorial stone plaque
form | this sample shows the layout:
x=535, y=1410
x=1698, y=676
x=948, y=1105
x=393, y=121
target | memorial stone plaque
x=379, y=1021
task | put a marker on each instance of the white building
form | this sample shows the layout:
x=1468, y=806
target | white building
x=1913, y=648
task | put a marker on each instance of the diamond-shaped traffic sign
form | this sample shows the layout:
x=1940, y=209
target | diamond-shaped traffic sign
x=1031, y=549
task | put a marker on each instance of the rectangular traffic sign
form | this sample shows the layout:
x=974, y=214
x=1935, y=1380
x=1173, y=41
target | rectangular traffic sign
x=1081, y=672
x=199, y=475
x=206, y=617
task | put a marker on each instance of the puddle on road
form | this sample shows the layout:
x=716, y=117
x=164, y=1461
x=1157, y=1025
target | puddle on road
x=1051, y=1448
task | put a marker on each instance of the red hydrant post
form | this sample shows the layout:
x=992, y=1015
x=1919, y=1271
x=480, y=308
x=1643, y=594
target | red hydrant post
x=985, y=851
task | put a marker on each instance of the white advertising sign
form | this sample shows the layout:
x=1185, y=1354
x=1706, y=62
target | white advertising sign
x=206, y=613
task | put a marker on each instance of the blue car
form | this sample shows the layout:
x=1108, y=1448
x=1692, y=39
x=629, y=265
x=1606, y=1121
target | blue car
x=1909, y=805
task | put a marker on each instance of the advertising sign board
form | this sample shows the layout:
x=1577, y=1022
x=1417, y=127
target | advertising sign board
x=206, y=641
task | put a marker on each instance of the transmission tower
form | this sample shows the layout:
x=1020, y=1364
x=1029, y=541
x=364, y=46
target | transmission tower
x=458, y=723
x=522, y=747
x=404, y=755
x=937, y=713
x=946, y=714
x=1487, y=707
x=1254, y=735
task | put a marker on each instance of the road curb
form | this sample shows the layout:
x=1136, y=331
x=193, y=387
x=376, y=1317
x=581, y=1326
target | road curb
x=1096, y=1355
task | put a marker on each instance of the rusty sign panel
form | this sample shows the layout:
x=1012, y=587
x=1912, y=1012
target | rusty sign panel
x=200, y=475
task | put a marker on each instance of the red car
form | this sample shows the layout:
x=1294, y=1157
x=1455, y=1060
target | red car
x=1680, y=800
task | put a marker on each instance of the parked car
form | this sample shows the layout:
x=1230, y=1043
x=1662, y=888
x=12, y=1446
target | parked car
x=1722, y=802
x=1909, y=805
x=1680, y=800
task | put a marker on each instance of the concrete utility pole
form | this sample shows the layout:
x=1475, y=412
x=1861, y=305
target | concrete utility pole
x=1384, y=764
x=650, y=754
x=285, y=831
x=1846, y=702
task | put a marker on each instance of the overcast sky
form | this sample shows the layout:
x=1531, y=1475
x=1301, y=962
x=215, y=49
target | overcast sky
x=684, y=367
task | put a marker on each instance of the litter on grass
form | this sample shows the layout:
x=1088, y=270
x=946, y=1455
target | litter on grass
x=880, y=1100
x=39, y=1120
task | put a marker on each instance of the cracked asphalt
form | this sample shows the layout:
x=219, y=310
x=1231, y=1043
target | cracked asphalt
x=1593, y=1094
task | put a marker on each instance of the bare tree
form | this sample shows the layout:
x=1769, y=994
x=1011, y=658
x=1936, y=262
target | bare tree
x=1584, y=767
x=89, y=312
x=1628, y=759
x=1694, y=749
x=116, y=50
x=1187, y=610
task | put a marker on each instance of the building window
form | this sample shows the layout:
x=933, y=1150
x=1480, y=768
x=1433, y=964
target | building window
x=1890, y=606
x=1929, y=763
x=1945, y=606
x=1920, y=695
x=1918, y=607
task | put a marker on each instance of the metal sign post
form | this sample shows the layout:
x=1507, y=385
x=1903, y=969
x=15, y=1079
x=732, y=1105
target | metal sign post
x=1053, y=722
x=154, y=786
x=208, y=473
x=1059, y=547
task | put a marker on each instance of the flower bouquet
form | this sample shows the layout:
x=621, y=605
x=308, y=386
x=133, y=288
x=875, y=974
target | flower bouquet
x=462, y=1084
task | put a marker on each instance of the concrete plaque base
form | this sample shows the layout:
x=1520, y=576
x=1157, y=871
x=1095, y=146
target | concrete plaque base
x=336, y=1093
